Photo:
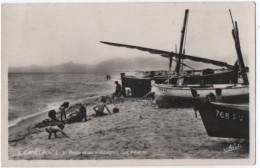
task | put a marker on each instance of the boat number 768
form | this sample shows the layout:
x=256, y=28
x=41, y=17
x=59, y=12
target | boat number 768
x=229, y=116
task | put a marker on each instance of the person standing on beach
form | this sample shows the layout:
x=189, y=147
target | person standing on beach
x=55, y=129
x=99, y=109
x=118, y=91
x=62, y=110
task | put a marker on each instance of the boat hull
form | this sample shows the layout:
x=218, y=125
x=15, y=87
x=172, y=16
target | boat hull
x=174, y=94
x=221, y=120
x=140, y=86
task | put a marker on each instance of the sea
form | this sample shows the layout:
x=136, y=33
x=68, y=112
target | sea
x=30, y=94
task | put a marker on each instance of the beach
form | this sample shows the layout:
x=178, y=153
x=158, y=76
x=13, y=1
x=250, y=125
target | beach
x=140, y=130
x=172, y=78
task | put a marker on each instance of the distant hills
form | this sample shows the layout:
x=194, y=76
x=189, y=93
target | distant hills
x=113, y=65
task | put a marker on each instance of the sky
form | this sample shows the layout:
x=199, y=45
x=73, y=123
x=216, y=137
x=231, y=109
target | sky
x=51, y=34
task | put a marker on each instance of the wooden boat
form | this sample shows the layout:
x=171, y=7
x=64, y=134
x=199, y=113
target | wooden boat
x=139, y=86
x=223, y=120
x=179, y=92
x=140, y=83
x=142, y=86
x=182, y=94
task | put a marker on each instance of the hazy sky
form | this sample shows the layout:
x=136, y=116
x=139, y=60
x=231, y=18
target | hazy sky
x=49, y=34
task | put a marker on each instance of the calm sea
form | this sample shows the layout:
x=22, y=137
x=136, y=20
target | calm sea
x=32, y=93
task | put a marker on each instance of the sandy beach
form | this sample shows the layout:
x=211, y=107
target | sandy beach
x=140, y=130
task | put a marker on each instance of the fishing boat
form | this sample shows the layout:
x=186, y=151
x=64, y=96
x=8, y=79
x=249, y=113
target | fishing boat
x=140, y=86
x=170, y=94
x=222, y=119
x=179, y=92
x=140, y=83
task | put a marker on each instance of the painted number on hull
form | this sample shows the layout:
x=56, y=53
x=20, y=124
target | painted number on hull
x=163, y=89
x=229, y=116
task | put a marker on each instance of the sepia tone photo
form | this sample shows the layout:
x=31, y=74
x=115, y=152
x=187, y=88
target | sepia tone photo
x=128, y=83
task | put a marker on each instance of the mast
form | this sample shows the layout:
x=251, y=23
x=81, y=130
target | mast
x=238, y=49
x=170, y=64
x=179, y=61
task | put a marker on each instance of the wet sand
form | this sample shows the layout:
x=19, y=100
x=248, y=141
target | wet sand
x=140, y=130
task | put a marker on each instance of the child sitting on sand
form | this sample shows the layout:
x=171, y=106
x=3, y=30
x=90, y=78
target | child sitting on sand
x=99, y=109
x=55, y=129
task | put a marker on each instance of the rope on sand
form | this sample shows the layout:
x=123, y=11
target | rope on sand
x=148, y=94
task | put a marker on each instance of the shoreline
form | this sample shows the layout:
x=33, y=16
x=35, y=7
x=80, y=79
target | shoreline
x=31, y=112
x=20, y=128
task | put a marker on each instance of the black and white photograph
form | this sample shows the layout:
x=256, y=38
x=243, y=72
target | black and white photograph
x=148, y=83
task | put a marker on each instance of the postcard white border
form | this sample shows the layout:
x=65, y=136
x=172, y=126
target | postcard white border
x=161, y=162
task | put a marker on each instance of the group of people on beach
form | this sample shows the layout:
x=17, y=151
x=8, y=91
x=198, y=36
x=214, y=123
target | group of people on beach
x=80, y=114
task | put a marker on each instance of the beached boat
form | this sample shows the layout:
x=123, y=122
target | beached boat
x=179, y=92
x=140, y=83
x=140, y=86
x=182, y=94
x=223, y=120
